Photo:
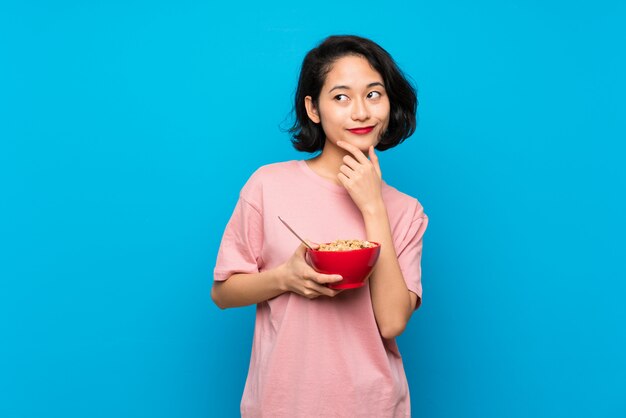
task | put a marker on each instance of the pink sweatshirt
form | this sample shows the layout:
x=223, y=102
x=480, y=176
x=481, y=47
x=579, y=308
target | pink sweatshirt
x=323, y=357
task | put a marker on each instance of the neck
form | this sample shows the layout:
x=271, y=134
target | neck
x=327, y=163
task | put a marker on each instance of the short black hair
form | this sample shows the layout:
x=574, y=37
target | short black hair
x=309, y=136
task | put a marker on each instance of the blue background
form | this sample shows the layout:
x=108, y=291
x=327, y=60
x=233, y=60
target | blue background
x=128, y=128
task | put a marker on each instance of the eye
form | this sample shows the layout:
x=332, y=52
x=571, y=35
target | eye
x=341, y=97
x=374, y=95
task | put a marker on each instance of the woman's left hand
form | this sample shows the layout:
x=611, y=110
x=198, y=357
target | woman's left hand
x=361, y=177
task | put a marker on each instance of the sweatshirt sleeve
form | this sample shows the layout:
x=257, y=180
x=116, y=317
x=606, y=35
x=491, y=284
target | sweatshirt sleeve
x=410, y=252
x=240, y=249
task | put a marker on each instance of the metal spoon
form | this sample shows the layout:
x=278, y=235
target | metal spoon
x=294, y=232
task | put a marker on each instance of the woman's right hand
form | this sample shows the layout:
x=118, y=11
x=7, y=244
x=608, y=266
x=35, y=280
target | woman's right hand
x=300, y=278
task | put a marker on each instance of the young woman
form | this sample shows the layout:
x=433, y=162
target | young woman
x=319, y=352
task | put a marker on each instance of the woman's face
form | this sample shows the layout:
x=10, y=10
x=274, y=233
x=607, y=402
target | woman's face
x=353, y=104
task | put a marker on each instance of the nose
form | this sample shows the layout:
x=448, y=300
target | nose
x=360, y=110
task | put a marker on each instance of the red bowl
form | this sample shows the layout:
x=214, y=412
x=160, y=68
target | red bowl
x=354, y=266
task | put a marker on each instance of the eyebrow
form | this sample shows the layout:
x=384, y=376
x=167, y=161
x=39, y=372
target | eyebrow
x=370, y=85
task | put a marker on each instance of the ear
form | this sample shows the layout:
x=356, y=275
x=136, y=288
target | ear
x=311, y=110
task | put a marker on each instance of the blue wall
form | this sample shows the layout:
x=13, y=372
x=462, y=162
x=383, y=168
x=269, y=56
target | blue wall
x=128, y=128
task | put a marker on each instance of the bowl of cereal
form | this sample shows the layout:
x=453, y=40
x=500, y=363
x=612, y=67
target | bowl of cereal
x=352, y=259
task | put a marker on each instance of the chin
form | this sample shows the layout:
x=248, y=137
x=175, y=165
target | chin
x=363, y=145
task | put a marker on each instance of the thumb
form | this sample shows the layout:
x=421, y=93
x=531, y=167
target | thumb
x=303, y=250
x=311, y=244
x=303, y=247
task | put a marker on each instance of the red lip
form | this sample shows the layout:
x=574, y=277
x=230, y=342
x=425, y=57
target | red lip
x=362, y=131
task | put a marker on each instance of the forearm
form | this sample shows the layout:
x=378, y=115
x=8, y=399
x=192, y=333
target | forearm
x=391, y=299
x=248, y=289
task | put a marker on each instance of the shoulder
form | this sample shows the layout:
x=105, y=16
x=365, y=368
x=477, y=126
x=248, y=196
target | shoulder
x=400, y=204
x=275, y=169
x=266, y=176
x=270, y=172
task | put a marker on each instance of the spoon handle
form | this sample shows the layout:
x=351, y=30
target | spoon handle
x=294, y=232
